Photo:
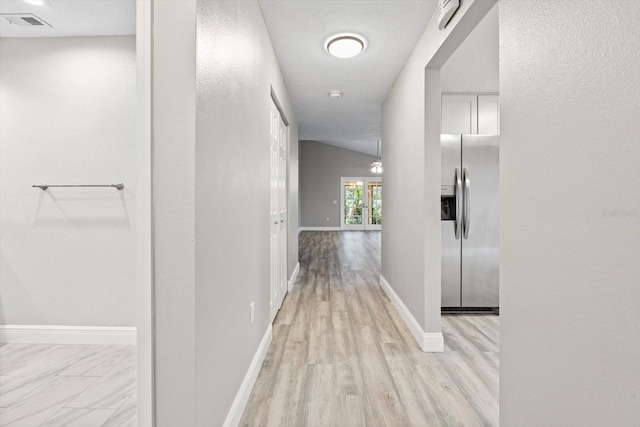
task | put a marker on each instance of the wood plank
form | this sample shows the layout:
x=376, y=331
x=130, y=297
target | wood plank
x=343, y=356
x=319, y=400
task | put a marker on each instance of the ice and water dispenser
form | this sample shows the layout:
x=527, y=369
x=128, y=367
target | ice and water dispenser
x=447, y=203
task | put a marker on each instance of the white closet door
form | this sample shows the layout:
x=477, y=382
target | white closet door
x=278, y=211
x=274, y=212
x=459, y=114
x=282, y=207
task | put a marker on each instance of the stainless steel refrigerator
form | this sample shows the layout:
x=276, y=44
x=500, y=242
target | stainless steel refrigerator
x=470, y=220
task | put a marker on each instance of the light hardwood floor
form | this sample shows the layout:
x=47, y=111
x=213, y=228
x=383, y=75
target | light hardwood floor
x=67, y=385
x=342, y=356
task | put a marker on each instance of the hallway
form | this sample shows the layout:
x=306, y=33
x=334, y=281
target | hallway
x=341, y=355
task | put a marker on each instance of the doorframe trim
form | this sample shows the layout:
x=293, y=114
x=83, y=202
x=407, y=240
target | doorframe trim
x=145, y=298
x=294, y=277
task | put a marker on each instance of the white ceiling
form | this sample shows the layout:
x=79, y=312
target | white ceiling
x=299, y=28
x=72, y=18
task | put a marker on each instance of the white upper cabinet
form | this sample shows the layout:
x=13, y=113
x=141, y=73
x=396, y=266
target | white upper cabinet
x=470, y=114
x=488, y=114
x=459, y=113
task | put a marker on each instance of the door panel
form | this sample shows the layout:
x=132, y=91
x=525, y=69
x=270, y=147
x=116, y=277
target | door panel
x=274, y=214
x=353, y=211
x=373, y=203
x=278, y=211
x=480, y=254
x=450, y=266
x=282, y=208
x=451, y=159
x=459, y=114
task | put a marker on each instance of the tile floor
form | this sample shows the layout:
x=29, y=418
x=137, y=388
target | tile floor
x=67, y=385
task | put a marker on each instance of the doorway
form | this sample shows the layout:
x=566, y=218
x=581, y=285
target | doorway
x=69, y=176
x=361, y=203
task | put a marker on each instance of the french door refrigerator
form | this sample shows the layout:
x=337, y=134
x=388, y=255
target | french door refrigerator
x=470, y=220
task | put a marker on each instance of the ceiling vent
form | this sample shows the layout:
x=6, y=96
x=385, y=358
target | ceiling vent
x=25, y=20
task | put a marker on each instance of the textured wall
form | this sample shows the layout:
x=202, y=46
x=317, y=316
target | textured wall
x=236, y=71
x=321, y=167
x=403, y=154
x=294, y=199
x=174, y=140
x=570, y=213
x=67, y=108
x=213, y=81
x=411, y=152
x=473, y=67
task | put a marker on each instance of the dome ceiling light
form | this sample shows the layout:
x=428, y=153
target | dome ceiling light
x=345, y=45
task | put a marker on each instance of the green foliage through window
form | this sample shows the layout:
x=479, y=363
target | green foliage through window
x=354, y=213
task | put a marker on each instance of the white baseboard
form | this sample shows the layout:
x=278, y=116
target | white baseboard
x=431, y=342
x=319, y=229
x=242, y=397
x=46, y=334
x=294, y=276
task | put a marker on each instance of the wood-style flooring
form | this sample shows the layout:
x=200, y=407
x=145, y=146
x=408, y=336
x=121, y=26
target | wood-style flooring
x=342, y=356
x=67, y=385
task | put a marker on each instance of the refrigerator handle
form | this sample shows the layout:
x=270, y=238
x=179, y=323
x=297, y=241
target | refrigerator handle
x=466, y=215
x=458, y=222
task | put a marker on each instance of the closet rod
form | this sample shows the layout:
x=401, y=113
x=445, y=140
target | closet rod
x=43, y=187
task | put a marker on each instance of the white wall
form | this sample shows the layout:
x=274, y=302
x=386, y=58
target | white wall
x=411, y=153
x=236, y=68
x=67, y=116
x=570, y=213
x=214, y=72
x=321, y=167
x=293, y=199
x=173, y=166
x=473, y=67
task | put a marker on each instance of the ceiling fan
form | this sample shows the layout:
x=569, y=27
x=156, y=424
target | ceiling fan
x=376, y=165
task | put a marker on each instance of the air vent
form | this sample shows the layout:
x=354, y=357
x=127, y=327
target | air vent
x=25, y=20
x=32, y=21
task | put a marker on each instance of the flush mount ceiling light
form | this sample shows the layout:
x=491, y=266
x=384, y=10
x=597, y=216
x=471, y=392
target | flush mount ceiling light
x=335, y=94
x=345, y=45
x=35, y=2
